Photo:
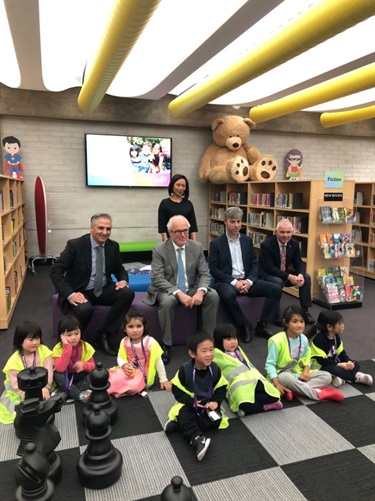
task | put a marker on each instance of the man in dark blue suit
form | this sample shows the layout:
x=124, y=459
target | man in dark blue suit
x=80, y=285
x=287, y=271
x=234, y=267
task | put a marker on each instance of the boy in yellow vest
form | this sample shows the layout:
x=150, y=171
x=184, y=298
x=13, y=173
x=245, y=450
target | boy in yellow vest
x=199, y=389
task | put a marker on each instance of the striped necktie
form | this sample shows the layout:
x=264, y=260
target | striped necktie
x=283, y=258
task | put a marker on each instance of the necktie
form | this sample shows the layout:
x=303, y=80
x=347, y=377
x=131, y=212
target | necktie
x=283, y=258
x=98, y=287
x=180, y=271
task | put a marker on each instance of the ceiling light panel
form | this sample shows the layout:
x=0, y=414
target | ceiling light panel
x=9, y=71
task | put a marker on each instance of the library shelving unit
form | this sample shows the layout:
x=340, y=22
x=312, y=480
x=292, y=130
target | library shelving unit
x=340, y=272
x=364, y=203
x=13, y=233
x=265, y=203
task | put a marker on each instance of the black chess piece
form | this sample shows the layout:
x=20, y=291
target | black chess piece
x=177, y=491
x=34, y=420
x=99, y=396
x=32, y=380
x=31, y=476
x=100, y=465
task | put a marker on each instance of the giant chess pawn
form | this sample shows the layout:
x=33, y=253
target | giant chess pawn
x=31, y=476
x=99, y=385
x=176, y=491
x=100, y=465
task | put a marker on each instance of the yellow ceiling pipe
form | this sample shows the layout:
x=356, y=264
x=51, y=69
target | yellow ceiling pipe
x=322, y=21
x=332, y=119
x=127, y=21
x=349, y=83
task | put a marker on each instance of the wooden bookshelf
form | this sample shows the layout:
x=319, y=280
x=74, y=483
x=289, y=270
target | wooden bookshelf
x=364, y=203
x=267, y=202
x=13, y=239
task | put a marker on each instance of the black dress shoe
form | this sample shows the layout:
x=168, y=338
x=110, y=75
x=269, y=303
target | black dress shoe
x=166, y=356
x=246, y=333
x=261, y=330
x=309, y=318
x=103, y=345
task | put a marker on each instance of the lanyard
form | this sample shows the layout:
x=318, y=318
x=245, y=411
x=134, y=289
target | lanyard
x=200, y=410
x=237, y=354
x=23, y=358
x=299, y=347
x=333, y=346
x=68, y=384
x=136, y=358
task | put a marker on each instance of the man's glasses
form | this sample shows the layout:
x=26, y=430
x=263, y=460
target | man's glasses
x=179, y=232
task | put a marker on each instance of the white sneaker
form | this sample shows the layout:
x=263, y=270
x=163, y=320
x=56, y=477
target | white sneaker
x=240, y=413
x=337, y=381
x=362, y=378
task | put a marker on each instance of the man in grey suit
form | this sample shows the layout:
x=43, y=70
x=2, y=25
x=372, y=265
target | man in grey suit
x=187, y=283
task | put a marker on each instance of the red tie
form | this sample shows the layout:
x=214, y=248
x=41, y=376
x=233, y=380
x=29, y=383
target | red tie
x=283, y=258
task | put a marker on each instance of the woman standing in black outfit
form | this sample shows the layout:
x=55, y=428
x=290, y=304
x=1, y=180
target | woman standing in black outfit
x=178, y=204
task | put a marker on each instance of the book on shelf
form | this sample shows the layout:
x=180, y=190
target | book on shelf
x=257, y=237
x=296, y=200
x=299, y=223
x=336, y=245
x=11, y=199
x=8, y=298
x=217, y=228
x=371, y=265
x=262, y=199
x=358, y=198
x=217, y=212
x=1, y=201
x=15, y=276
x=332, y=293
x=219, y=196
x=326, y=214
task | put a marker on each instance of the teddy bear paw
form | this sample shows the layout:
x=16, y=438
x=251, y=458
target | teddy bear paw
x=264, y=169
x=238, y=169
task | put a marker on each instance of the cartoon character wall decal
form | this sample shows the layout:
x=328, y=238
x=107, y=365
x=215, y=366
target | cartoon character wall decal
x=293, y=164
x=12, y=166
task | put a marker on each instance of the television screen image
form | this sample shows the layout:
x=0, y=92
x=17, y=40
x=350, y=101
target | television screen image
x=128, y=161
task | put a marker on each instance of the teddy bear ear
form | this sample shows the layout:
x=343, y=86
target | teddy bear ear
x=249, y=122
x=215, y=124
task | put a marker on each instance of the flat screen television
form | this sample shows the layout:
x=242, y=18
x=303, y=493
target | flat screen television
x=128, y=161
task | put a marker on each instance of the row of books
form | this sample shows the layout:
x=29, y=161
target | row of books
x=257, y=237
x=300, y=224
x=331, y=215
x=338, y=285
x=262, y=199
x=372, y=218
x=219, y=196
x=371, y=265
x=237, y=198
x=261, y=219
x=372, y=239
x=289, y=200
x=335, y=245
x=217, y=212
x=217, y=228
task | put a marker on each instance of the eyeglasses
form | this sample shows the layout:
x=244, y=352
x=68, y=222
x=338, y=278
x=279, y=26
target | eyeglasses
x=179, y=232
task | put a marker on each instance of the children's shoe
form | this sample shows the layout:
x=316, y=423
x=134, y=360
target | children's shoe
x=59, y=393
x=273, y=407
x=84, y=396
x=170, y=426
x=288, y=396
x=200, y=445
x=241, y=413
x=337, y=381
x=329, y=394
x=362, y=378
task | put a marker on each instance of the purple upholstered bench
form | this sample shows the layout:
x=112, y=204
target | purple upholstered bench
x=250, y=306
x=186, y=321
x=184, y=325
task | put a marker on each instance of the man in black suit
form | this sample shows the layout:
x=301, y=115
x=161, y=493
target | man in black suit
x=81, y=284
x=275, y=268
x=234, y=267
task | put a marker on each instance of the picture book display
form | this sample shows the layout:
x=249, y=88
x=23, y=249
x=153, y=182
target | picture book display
x=336, y=245
x=338, y=215
x=338, y=285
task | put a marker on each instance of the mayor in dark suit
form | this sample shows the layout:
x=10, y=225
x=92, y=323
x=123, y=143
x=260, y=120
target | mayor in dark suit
x=179, y=275
x=82, y=276
x=288, y=270
x=234, y=267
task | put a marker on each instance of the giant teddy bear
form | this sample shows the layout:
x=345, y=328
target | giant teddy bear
x=230, y=159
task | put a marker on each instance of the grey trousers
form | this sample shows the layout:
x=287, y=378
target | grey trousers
x=318, y=380
x=168, y=302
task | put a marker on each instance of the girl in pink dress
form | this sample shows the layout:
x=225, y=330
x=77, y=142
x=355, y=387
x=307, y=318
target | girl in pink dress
x=138, y=360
